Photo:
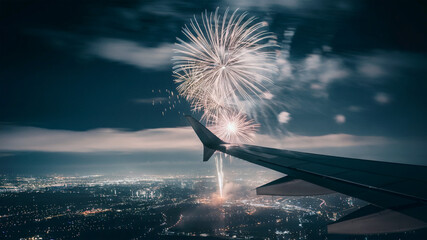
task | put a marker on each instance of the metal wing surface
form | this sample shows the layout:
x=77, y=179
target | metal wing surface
x=397, y=192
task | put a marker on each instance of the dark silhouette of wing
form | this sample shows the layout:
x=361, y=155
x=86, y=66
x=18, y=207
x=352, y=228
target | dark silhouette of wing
x=397, y=192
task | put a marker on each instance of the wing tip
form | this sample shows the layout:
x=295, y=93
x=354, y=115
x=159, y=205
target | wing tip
x=210, y=141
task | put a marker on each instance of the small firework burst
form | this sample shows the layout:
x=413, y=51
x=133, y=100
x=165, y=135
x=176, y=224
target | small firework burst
x=234, y=127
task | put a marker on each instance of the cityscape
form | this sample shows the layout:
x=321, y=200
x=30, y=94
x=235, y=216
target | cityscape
x=164, y=207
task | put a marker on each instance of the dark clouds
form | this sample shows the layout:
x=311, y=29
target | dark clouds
x=353, y=67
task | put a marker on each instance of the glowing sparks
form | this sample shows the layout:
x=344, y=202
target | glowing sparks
x=226, y=60
x=166, y=101
x=234, y=127
x=231, y=127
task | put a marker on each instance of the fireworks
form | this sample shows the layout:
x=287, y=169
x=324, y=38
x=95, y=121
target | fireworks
x=227, y=60
x=234, y=127
x=231, y=127
x=222, y=69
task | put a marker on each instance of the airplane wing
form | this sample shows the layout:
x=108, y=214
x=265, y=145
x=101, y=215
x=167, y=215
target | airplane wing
x=397, y=192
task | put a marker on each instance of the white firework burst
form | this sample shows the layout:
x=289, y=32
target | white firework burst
x=226, y=60
x=234, y=127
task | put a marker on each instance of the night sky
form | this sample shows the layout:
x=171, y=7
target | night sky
x=78, y=79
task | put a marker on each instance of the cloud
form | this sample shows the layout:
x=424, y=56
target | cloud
x=333, y=70
x=6, y=155
x=284, y=117
x=325, y=141
x=162, y=8
x=354, y=108
x=312, y=62
x=301, y=5
x=382, y=98
x=150, y=100
x=315, y=73
x=282, y=61
x=371, y=70
x=151, y=140
x=379, y=67
x=267, y=95
x=265, y=3
x=285, y=68
x=131, y=53
x=320, y=72
x=97, y=140
x=339, y=118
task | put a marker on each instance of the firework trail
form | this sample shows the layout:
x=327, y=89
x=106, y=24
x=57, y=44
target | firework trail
x=220, y=173
x=224, y=64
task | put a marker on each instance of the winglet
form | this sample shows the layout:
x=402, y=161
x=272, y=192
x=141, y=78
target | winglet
x=209, y=140
x=207, y=153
